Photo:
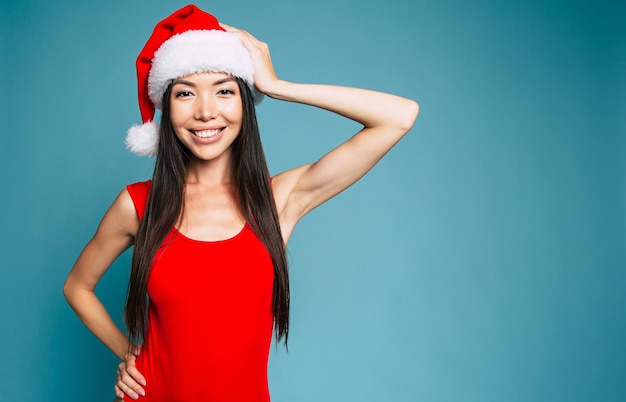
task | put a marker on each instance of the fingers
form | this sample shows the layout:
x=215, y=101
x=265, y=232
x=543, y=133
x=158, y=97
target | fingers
x=131, y=369
x=129, y=379
x=119, y=394
x=244, y=35
x=121, y=388
x=264, y=74
x=228, y=27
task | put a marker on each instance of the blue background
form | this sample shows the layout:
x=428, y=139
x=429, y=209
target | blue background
x=482, y=260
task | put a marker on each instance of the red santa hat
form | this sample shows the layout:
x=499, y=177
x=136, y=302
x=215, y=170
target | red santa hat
x=188, y=41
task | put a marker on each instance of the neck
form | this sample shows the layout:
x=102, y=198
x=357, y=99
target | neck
x=210, y=172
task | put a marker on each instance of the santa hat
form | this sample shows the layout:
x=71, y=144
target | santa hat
x=188, y=41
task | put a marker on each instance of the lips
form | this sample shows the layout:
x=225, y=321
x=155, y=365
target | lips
x=208, y=133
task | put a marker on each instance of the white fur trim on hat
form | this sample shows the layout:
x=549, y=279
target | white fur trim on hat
x=144, y=139
x=198, y=51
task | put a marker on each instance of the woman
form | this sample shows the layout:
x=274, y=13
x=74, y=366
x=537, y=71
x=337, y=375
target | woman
x=209, y=281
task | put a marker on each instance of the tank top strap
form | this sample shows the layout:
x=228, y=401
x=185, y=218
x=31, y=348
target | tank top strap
x=139, y=193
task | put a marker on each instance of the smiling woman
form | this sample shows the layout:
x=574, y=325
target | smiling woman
x=205, y=109
x=209, y=231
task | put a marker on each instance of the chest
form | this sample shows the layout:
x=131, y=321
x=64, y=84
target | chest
x=210, y=215
x=189, y=273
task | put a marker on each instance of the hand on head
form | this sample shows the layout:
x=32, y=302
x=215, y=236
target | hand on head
x=264, y=74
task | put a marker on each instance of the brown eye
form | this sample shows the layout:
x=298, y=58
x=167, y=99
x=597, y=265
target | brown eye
x=226, y=92
x=183, y=94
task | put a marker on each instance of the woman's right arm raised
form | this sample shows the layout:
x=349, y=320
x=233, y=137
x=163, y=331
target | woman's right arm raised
x=115, y=234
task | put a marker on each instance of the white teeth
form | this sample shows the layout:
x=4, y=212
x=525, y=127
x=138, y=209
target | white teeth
x=207, y=133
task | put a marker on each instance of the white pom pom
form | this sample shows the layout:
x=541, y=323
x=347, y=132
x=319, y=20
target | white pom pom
x=144, y=139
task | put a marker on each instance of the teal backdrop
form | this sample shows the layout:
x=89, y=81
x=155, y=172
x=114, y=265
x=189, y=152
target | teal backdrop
x=482, y=260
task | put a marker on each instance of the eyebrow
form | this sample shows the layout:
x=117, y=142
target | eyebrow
x=191, y=84
x=223, y=80
x=183, y=82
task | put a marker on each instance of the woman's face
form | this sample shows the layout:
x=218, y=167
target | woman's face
x=206, y=112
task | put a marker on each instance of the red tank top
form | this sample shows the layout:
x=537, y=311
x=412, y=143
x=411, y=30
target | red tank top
x=209, y=318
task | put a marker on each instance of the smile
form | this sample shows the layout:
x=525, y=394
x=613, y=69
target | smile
x=207, y=133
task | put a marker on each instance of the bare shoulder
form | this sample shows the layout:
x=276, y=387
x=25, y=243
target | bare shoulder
x=115, y=234
x=121, y=217
x=283, y=187
x=125, y=204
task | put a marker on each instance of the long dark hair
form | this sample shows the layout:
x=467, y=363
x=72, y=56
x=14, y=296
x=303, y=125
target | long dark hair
x=166, y=200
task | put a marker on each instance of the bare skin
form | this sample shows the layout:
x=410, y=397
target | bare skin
x=385, y=119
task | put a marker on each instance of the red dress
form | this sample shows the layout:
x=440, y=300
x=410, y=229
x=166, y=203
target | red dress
x=209, y=318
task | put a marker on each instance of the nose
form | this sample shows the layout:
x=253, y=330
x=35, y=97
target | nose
x=205, y=107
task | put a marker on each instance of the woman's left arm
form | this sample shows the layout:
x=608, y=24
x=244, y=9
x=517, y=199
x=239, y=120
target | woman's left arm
x=385, y=118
